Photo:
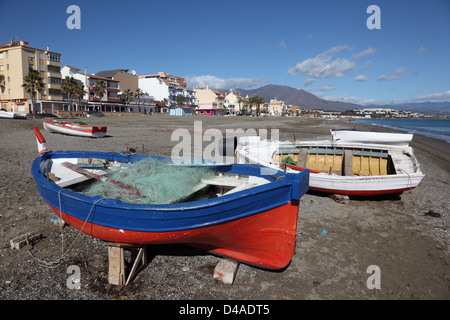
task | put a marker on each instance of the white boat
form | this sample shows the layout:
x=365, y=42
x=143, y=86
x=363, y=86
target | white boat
x=12, y=115
x=377, y=137
x=373, y=165
x=74, y=129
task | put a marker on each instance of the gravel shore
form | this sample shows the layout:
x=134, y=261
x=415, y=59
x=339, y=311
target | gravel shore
x=394, y=233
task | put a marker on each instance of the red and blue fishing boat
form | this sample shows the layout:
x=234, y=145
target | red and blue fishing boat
x=253, y=219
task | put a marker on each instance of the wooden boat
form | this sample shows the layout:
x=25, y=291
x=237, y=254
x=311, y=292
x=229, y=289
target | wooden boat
x=75, y=129
x=253, y=220
x=371, y=137
x=12, y=115
x=358, y=165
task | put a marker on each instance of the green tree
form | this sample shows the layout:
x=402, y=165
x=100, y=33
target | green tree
x=139, y=93
x=180, y=99
x=32, y=83
x=79, y=93
x=257, y=101
x=127, y=96
x=99, y=90
x=68, y=85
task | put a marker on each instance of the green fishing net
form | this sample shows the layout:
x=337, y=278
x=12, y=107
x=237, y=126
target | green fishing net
x=155, y=181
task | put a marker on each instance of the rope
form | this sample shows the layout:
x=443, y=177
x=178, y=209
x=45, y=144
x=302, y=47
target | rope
x=55, y=263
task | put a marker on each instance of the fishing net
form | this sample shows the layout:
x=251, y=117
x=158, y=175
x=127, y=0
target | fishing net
x=155, y=181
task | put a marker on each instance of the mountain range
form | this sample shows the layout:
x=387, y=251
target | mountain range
x=307, y=100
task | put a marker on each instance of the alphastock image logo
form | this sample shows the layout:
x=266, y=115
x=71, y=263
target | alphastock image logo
x=222, y=145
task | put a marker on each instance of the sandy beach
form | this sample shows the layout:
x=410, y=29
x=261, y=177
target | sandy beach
x=409, y=246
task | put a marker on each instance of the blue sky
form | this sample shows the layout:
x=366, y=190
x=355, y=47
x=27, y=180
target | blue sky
x=321, y=46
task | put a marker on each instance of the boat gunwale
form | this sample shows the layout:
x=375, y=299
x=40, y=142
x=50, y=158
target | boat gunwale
x=288, y=179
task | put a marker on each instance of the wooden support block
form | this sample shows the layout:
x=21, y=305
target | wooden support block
x=116, y=274
x=117, y=266
x=226, y=270
x=22, y=240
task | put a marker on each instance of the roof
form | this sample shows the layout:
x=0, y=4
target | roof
x=110, y=73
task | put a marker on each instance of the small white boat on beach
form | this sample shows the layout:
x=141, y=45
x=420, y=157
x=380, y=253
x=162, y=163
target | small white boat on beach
x=355, y=163
x=377, y=137
x=12, y=115
x=74, y=129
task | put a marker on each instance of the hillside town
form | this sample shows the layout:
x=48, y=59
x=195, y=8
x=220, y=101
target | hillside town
x=33, y=80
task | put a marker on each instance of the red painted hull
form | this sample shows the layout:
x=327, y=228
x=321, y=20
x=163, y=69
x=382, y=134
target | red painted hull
x=266, y=239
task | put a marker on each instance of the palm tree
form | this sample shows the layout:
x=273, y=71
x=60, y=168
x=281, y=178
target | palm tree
x=99, y=90
x=32, y=83
x=68, y=85
x=256, y=100
x=79, y=93
x=180, y=99
x=127, y=96
x=139, y=93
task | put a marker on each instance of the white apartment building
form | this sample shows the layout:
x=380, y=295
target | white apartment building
x=164, y=86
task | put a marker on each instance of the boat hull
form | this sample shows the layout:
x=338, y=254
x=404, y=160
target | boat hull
x=73, y=129
x=256, y=226
x=262, y=153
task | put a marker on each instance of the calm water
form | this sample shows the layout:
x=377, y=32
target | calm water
x=433, y=128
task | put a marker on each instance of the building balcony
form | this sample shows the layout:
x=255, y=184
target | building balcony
x=53, y=63
x=53, y=74
x=113, y=100
x=53, y=86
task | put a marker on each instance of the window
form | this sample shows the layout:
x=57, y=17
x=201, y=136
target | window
x=1, y=55
x=42, y=68
x=41, y=56
x=2, y=67
x=53, y=57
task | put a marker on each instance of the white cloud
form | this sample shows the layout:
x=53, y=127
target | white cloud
x=350, y=99
x=385, y=77
x=400, y=70
x=393, y=76
x=440, y=96
x=361, y=78
x=214, y=82
x=422, y=50
x=369, y=50
x=323, y=66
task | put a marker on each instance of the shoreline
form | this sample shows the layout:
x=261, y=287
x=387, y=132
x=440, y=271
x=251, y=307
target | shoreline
x=410, y=247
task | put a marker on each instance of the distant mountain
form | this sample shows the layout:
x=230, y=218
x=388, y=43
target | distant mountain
x=297, y=97
x=304, y=99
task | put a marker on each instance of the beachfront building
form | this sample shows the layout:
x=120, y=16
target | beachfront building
x=277, y=107
x=130, y=81
x=209, y=102
x=168, y=88
x=110, y=101
x=16, y=57
x=233, y=103
x=127, y=80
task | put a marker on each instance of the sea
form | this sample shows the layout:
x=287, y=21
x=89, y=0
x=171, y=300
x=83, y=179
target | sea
x=433, y=128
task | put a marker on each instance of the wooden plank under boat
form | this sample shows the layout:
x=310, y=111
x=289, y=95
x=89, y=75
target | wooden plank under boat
x=75, y=129
x=254, y=220
x=340, y=166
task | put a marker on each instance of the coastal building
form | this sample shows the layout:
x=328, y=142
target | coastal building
x=209, y=102
x=233, y=103
x=277, y=107
x=168, y=88
x=127, y=80
x=110, y=101
x=16, y=57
